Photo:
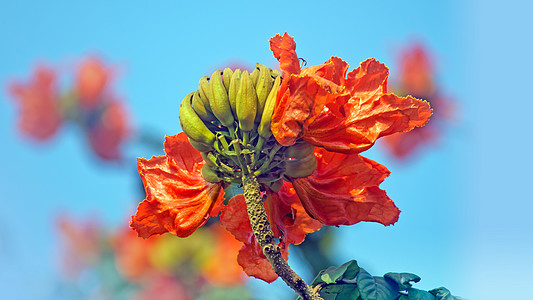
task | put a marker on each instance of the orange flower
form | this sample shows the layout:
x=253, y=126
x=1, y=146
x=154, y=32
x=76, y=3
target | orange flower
x=337, y=111
x=344, y=113
x=40, y=114
x=178, y=199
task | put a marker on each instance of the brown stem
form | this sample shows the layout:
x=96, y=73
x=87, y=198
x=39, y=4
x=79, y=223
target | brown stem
x=265, y=238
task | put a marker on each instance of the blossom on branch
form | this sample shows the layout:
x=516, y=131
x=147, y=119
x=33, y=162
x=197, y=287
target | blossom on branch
x=298, y=135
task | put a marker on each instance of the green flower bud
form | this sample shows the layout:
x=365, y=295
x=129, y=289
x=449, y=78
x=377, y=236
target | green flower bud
x=246, y=103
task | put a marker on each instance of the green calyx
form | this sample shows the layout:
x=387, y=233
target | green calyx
x=228, y=120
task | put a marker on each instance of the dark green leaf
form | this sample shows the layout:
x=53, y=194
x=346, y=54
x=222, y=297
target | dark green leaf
x=403, y=279
x=376, y=288
x=349, y=292
x=332, y=289
x=442, y=294
x=415, y=294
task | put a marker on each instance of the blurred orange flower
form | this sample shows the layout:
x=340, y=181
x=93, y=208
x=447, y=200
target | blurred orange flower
x=89, y=104
x=81, y=244
x=417, y=78
x=40, y=113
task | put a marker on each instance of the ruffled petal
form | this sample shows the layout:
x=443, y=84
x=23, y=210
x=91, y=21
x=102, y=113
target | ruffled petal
x=366, y=122
x=344, y=190
x=251, y=258
x=254, y=265
x=234, y=218
x=177, y=200
x=284, y=48
x=333, y=70
x=300, y=99
x=287, y=216
x=369, y=81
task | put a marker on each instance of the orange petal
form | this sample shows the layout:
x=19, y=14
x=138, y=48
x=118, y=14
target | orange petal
x=284, y=48
x=344, y=190
x=369, y=81
x=177, y=200
x=286, y=214
x=235, y=219
x=366, y=122
x=403, y=144
x=333, y=70
x=254, y=265
x=300, y=98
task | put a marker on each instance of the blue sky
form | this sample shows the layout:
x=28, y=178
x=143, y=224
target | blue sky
x=466, y=206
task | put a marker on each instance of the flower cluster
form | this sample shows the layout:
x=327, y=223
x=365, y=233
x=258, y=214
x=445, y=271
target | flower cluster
x=160, y=266
x=299, y=133
x=90, y=104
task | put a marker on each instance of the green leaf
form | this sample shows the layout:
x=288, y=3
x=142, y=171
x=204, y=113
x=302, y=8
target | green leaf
x=403, y=279
x=442, y=293
x=345, y=271
x=415, y=294
x=349, y=292
x=332, y=289
x=376, y=288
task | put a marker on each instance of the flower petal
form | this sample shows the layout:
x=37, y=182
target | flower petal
x=300, y=98
x=366, y=122
x=177, y=200
x=343, y=190
x=333, y=70
x=251, y=258
x=284, y=48
x=368, y=81
x=288, y=217
x=235, y=219
x=254, y=265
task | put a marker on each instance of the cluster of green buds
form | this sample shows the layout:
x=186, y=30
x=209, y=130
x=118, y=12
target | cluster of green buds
x=228, y=120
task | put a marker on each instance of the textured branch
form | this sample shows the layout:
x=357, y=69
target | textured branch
x=265, y=237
